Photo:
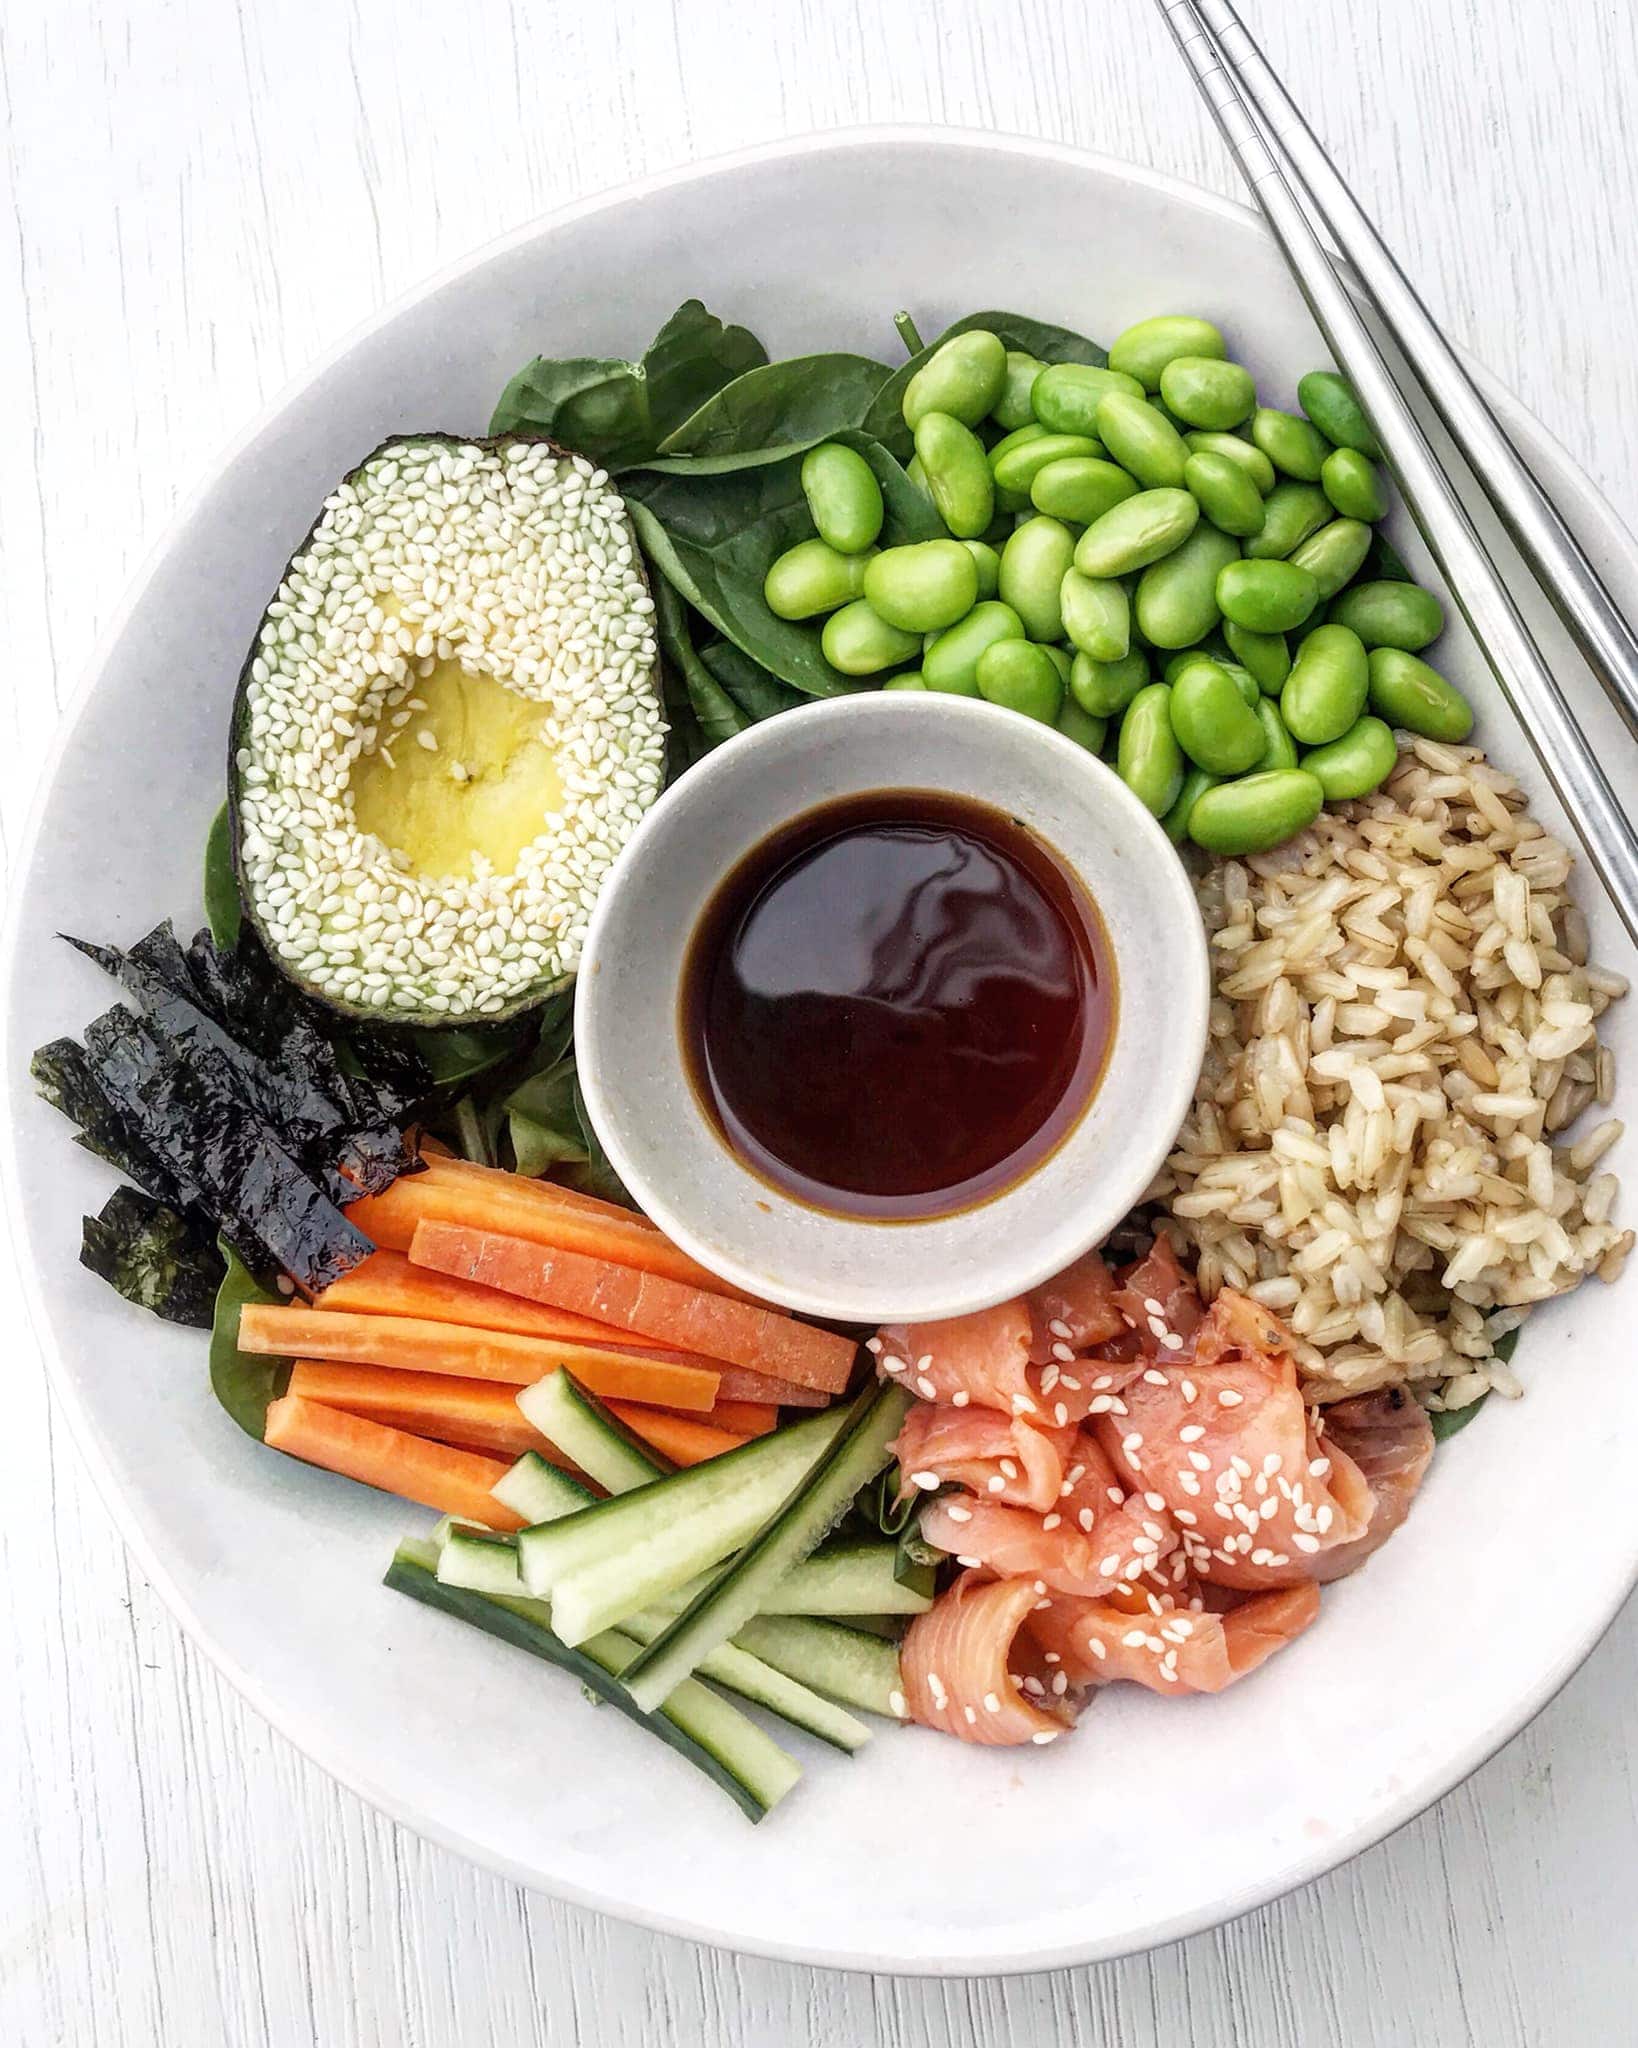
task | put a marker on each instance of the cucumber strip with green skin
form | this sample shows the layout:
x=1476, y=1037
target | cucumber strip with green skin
x=858, y=1669
x=738, y=1669
x=796, y=1528
x=846, y=1579
x=480, y=1561
x=588, y=1435
x=712, y=1735
x=608, y=1560
x=535, y=1489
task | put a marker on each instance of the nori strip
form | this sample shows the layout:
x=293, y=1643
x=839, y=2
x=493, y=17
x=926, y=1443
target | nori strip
x=63, y=1077
x=155, y=1257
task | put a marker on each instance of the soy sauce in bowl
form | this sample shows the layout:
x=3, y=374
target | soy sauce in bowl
x=897, y=1005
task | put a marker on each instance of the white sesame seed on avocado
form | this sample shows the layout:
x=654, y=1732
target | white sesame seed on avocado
x=448, y=727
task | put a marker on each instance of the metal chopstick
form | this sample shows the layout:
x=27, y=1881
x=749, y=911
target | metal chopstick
x=1520, y=669
x=1568, y=578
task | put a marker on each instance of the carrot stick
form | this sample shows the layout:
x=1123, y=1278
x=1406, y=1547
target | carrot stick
x=735, y=1383
x=409, y=1344
x=453, y=1482
x=511, y=1206
x=388, y=1285
x=550, y=1192
x=683, y=1439
x=479, y=1414
x=747, y=1418
x=666, y=1311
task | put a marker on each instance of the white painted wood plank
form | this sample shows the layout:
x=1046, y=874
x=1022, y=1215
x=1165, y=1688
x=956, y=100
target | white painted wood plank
x=201, y=199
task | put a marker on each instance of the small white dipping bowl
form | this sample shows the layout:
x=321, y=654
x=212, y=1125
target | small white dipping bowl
x=665, y=1144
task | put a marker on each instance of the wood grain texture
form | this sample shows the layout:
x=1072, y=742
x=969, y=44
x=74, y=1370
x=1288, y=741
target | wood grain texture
x=199, y=199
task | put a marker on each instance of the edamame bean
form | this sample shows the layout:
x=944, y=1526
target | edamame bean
x=1140, y=440
x=1017, y=467
x=1256, y=812
x=1244, y=681
x=918, y=476
x=1291, y=444
x=950, y=664
x=963, y=378
x=1013, y=408
x=1176, y=602
x=1144, y=349
x=1103, y=689
x=1407, y=692
x=1243, y=454
x=1226, y=493
x=1033, y=566
x=1279, y=748
x=911, y=679
x=1176, y=820
x=1097, y=615
x=1354, y=485
x=1212, y=722
x=859, y=642
x=929, y=583
x=1360, y=761
x=1135, y=533
x=1265, y=654
x=1334, y=555
x=1063, y=660
x=988, y=564
x=1387, y=614
x=1208, y=393
x=1330, y=403
x=1081, y=488
x=843, y=496
x=958, y=474
x=1066, y=396
x=1269, y=597
x=811, y=578
x=1075, y=725
x=1325, y=691
x=1149, y=760
x=1291, y=512
x=1023, y=677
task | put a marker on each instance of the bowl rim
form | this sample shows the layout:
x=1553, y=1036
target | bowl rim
x=1391, y=1814
x=1157, y=885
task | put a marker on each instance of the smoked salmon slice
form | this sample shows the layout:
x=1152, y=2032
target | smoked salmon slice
x=958, y=1664
x=1388, y=1437
x=1168, y=1646
x=1223, y=1438
x=997, y=1456
x=1074, y=1311
x=977, y=1360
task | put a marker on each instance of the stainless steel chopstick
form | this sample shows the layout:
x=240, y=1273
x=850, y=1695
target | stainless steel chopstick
x=1568, y=578
x=1521, y=671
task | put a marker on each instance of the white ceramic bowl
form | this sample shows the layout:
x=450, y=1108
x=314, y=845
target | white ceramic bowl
x=1160, y=1816
x=629, y=1047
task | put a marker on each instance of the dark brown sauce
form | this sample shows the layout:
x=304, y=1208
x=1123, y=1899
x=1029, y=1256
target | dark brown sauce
x=897, y=1005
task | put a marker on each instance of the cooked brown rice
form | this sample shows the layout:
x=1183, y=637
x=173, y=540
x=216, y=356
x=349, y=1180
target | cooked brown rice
x=1404, y=1030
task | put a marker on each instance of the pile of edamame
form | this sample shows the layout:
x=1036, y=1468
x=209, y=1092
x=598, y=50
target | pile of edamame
x=1148, y=559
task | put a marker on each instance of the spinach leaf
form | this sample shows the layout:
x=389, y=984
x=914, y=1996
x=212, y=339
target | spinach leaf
x=619, y=412
x=465, y=1052
x=804, y=398
x=1383, y=563
x=758, y=694
x=242, y=1383
x=542, y=1121
x=713, y=711
x=885, y=418
x=153, y=1255
x=712, y=526
x=223, y=911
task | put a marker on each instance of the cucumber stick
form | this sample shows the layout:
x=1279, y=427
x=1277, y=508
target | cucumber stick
x=859, y=1669
x=535, y=1489
x=588, y=1435
x=764, y=1685
x=480, y=1561
x=845, y=1579
x=621, y=1554
x=794, y=1528
x=711, y=1733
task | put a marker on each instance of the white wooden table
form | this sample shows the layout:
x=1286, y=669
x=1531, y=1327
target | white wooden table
x=203, y=197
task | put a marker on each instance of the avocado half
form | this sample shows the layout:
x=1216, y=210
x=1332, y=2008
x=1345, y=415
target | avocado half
x=448, y=725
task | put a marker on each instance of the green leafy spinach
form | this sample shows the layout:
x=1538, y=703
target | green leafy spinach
x=800, y=400
x=244, y=1384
